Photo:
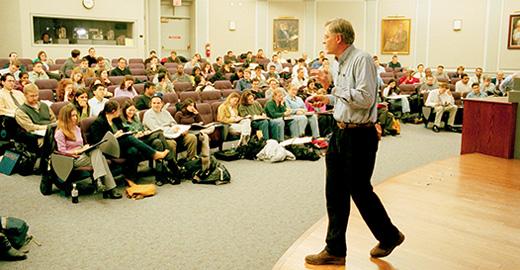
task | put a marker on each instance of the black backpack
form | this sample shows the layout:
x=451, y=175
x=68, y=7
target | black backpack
x=25, y=164
x=304, y=151
x=15, y=230
x=252, y=148
x=216, y=174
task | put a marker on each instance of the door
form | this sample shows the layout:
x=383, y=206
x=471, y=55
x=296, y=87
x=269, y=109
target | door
x=175, y=35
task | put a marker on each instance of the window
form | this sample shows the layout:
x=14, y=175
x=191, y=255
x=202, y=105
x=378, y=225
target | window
x=49, y=30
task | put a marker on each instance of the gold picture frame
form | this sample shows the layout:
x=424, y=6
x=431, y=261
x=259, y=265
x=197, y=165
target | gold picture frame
x=513, y=40
x=395, y=36
x=285, y=34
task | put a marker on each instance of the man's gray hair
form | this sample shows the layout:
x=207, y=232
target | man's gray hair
x=343, y=28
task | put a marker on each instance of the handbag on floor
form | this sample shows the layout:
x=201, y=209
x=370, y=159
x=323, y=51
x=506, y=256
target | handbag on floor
x=16, y=230
x=136, y=191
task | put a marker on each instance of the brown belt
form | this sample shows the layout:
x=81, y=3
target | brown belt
x=343, y=125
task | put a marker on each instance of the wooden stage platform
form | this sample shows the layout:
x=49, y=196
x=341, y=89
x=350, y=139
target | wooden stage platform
x=460, y=213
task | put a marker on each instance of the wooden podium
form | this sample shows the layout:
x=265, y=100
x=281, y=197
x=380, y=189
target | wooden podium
x=489, y=127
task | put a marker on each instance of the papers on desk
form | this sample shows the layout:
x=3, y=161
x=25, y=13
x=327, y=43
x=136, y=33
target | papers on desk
x=397, y=97
x=40, y=132
x=302, y=140
x=175, y=131
x=92, y=147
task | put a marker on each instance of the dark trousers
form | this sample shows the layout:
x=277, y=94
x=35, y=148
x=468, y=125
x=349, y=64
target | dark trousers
x=350, y=162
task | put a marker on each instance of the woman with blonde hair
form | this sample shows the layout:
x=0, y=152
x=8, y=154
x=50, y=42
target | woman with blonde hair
x=228, y=114
x=69, y=141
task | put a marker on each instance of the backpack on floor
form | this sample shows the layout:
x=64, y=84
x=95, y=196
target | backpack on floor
x=216, y=174
x=16, y=231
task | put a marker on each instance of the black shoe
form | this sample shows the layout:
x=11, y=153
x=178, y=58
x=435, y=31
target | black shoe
x=46, y=185
x=174, y=180
x=450, y=128
x=383, y=250
x=112, y=194
x=436, y=129
x=13, y=255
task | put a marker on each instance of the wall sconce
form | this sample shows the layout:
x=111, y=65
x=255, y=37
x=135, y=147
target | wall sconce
x=457, y=25
x=232, y=26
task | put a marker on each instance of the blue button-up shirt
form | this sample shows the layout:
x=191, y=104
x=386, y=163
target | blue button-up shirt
x=355, y=91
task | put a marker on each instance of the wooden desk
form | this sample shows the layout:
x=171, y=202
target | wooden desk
x=489, y=127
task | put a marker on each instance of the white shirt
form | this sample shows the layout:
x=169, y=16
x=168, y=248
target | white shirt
x=437, y=99
x=461, y=87
x=96, y=106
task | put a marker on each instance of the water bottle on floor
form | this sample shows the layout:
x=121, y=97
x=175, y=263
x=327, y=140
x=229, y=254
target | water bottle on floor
x=74, y=193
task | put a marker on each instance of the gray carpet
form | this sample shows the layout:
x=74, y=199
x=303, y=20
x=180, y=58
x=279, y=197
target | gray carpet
x=247, y=224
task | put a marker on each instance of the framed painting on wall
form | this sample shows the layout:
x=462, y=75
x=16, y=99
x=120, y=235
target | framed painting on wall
x=395, y=36
x=514, y=32
x=285, y=34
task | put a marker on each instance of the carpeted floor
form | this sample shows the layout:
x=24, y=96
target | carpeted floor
x=247, y=224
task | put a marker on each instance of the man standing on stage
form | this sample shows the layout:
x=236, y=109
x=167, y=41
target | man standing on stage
x=352, y=149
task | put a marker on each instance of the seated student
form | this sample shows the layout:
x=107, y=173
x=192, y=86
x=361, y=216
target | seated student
x=298, y=110
x=31, y=116
x=478, y=77
x=272, y=73
x=463, y=86
x=441, y=74
x=8, y=252
x=228, y=114
x=276, y=63
x=102, y=64
x=507, y=83
x=38, y=73
x=258, y=74
x=42, y=57
x=380, y=69
x=442, y=101
x=84, y=69
x=392, y=90
x=121, y=69
x=428, y=85
x=420, y=74
x=207, y=71
x=202, y=84
x=236, y=76
x=77, y=79
x=65, y=90
x=409, y=78
x=180, y=76
x=193, y=63
x=219, y=63
x=475, y=92
x=244, y=83
x=131, y=122
x=173, y=58
x=10, y=99
x=155, y=68
x=299, y=80
x=142, y=102
x=70, y=63
x=91, y=57
x=498, y=79
x=195, y=71
x=274, y=85
x=80, y=101
x=103, y=78
x=300, y=65
x=24, y=80
x=256, y=89
x=230, y=57
x=252, y=109
x=126, y=89
x=152, y=54
x=260, y=54
x=13, y=68
x=488, y=87
x=394, y=63
x=276, y=110
x=69, y=141
x=97, y=102
x=13, y=58
x=132, y=148
x=156, y=117
x=164, y=84
x=459, y=73
x=188, y=114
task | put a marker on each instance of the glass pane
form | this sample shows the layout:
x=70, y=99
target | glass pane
x=80, y=31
